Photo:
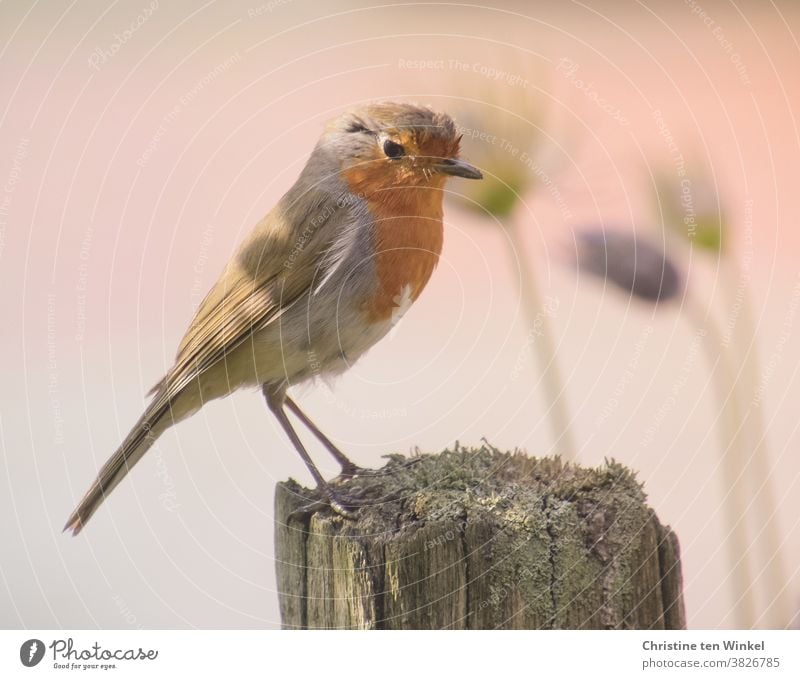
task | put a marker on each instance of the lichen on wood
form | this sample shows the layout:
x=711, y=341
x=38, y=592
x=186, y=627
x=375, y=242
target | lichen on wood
x=476, y=538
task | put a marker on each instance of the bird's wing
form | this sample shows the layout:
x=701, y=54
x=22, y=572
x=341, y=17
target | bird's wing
x=287, y=255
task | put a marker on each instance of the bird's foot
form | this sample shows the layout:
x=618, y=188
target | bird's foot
x=350, y=471
x=345, y=505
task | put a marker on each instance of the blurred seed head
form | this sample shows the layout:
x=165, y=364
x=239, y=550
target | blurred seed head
x=691, y=208
x=502, y=136
x=632, y=264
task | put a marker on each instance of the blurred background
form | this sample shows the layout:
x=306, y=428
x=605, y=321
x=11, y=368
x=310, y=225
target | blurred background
x=141, y=141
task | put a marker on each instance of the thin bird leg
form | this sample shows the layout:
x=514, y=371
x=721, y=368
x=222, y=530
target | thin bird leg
x=349, y=468
x=275, y=404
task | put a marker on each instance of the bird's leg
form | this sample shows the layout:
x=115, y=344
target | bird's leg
x=275, y=402
x=349, y=468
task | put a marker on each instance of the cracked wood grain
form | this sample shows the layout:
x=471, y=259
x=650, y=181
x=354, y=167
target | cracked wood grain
x=480, y=539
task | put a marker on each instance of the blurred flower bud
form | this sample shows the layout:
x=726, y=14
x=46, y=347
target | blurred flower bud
x=691, y=207
x=630, y=263
x=502, y=136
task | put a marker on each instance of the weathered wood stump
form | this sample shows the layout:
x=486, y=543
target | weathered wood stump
x=480, y=539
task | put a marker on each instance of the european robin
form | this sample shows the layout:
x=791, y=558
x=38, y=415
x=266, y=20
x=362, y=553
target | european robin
x=318, y=281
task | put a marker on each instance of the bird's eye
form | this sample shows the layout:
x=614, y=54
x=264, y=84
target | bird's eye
x=392, y=149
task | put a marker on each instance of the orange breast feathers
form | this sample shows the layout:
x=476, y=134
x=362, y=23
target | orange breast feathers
x=408, y=240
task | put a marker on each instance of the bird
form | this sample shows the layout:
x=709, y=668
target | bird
x=317, y=282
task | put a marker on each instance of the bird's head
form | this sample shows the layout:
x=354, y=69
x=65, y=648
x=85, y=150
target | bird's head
x=388, y=145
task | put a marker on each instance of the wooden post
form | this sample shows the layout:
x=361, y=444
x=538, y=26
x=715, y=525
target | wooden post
x=480, y=539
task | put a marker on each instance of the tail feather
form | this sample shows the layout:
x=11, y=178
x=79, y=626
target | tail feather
x=151, y=425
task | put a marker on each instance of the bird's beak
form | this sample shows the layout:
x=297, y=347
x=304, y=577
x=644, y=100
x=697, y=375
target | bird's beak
x=458, y=168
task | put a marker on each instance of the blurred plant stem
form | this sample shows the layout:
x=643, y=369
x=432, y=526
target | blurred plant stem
x=772, y=569
x=644, y=271
x=709, y=231
x=544, y=345
x=733, y=461
x=504, y=137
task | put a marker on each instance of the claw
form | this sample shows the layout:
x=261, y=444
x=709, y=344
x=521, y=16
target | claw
x=352, y=471
x=343, y=506
x=341, y=510
x=306, y=511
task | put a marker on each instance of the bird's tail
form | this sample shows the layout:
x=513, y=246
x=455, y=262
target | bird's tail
x=155, y=420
